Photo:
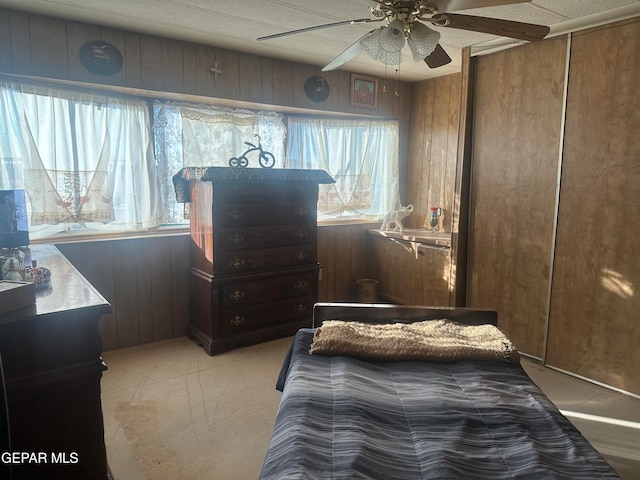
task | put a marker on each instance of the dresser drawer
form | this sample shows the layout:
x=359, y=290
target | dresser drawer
x=263, y=214
x=249, y=261
x=233, y=321
x=269, y=289
x=238, y=194
x=264, y=237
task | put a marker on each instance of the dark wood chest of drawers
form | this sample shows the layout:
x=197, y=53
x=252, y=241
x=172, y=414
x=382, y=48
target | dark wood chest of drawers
x=254, y=268
x=52, y=369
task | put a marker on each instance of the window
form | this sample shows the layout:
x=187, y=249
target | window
x=202, y=136
x=361, y=156
x=97, y=163
x=85, y=161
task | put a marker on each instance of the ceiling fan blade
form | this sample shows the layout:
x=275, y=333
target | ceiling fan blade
x=495, y=26
x=318, y=27
x=350, y=52
x=437, y=58
x=455, y=5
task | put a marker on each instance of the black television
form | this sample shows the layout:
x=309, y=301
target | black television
x=14, y=227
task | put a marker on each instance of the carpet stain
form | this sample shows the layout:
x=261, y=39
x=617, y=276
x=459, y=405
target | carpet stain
x=139, y=424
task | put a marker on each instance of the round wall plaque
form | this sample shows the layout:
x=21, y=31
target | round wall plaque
x=316, y=89
x=100, y=57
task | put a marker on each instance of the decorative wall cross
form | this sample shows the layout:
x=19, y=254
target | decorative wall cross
x=215, y=71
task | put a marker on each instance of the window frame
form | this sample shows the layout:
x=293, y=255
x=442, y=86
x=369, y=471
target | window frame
x=149, y=97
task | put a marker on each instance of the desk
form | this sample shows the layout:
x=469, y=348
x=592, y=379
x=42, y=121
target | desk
x=52, y=367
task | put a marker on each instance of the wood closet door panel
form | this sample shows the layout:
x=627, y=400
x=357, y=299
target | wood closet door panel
x=517, y=126
x=593, y=325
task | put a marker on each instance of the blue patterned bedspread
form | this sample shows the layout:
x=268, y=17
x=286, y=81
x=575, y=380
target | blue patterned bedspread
x=343, y=418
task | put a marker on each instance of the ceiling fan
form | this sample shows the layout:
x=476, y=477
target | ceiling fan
x=406, y=21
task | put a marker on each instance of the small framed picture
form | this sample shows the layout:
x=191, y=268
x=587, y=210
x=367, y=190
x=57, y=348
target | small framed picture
x=364, y=91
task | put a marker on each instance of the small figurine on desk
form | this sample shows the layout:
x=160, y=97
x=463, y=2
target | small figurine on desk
x=434, y=214
x=11, y=270
x=12, y=264
x=395, y=218
x=41, y=276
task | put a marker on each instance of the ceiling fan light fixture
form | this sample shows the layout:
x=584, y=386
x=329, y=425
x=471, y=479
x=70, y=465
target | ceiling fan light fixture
x=392, y=37
x=371, y=44
x=390, y=58
x=405, y=23
x=386, y=43
x=422, y=41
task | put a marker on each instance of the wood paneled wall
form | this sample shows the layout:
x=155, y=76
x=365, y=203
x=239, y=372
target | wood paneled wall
x=145, y=279
x=577, y=310
x=433, y=147
x=41, y=46
x=422, y=275
x=344, y=258
x=410, y=274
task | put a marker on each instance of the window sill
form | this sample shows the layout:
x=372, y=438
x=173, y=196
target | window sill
x=346, y=221
x=101, y=237
x=420, y=237
x=163, y=232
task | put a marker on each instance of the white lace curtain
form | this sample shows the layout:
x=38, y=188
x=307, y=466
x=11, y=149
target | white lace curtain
x=362, y=157
x=189, y=135
x=82, y=159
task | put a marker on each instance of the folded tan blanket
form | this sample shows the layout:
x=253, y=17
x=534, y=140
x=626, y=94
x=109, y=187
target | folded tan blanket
x=431, y=340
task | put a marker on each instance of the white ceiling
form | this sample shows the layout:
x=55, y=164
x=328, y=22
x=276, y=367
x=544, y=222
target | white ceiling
x=235, y=24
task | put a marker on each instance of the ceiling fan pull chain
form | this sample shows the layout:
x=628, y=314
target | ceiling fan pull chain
x=384, y=85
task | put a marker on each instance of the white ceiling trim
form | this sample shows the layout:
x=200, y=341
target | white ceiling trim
x=569, y=26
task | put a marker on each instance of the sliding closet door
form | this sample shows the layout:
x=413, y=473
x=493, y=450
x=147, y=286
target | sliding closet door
x=594, y=326
x=516, y=143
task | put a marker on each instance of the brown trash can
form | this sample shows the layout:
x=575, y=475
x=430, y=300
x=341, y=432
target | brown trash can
x=367, y=290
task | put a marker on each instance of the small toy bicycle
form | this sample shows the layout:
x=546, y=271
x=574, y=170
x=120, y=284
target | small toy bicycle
x=266, y=159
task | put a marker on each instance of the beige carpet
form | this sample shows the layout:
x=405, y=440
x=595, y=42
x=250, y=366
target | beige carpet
x=174, y=413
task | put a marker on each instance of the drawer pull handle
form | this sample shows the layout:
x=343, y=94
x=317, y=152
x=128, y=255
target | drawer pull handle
x=300, y=308
x=300, y=256
x=237, y=321
x=235, y=214
x=301, y=212
x=237, y=295
x=301, y=234
x=236, y=239
x=300, y=285
x=237, y=262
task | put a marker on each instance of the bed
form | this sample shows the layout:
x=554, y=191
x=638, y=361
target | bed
x=346, y=415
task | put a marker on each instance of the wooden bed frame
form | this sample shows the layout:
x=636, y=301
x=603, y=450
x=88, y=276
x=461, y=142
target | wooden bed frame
x=481, y=419
x=387, y=313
